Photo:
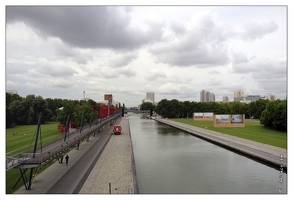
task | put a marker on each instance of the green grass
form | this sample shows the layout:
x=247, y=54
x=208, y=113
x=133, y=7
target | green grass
x=21, y=142
x=253, y=130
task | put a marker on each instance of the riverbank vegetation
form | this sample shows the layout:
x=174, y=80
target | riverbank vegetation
x=253, y=130
x=272, y=114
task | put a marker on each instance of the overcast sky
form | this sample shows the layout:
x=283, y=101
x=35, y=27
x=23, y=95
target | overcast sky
x=173, y=51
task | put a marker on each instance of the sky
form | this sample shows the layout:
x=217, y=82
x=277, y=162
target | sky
x=174, y=51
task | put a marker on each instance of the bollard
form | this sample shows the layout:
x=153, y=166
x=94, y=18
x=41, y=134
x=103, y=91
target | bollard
x=33, y=179
x=109, y=188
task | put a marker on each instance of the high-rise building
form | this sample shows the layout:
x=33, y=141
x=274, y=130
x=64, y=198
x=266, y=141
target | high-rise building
x=150, y=96
x=225, y=99
x=238, y=95
x=207, y=96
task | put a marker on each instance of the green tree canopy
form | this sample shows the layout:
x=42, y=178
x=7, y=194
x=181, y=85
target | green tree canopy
x=147, y=106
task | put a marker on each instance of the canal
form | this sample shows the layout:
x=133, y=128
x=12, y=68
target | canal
x=170, y=161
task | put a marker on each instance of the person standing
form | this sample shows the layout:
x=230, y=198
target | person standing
x=67, y=158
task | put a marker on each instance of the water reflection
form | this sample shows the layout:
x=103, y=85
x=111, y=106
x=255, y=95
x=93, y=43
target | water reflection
x=169, y=161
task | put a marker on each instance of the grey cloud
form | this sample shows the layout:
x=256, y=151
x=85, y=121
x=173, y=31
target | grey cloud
x=84, y=26
x=202, y=46
x=268, y=74
x=63, y=51
x=255, y=30
x=120, y=60
x=126, y=71
x=154, y=75
x=178, y=28
x=239, y=57
x=191, y=54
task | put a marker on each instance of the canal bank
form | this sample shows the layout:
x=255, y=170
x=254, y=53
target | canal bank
x=266, y=153
x=104, y=160
x=114, y=172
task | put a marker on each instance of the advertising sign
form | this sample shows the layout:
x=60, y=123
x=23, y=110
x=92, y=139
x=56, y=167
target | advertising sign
x=198, y=115
x=208, y=115
x=236, y=119
x=222, y=119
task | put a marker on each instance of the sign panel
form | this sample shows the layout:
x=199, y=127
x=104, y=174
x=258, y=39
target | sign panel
x=222, y=119
x=208, y=115
x=198, y=115
x=236, y=119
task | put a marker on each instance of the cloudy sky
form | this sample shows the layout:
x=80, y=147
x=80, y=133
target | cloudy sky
x=173, y=51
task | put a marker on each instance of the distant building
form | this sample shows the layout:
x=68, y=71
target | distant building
x=225, y=99
x=150, y=97
x=250, y=98
x=207, y=96
x=238, y=95
x=12, y=91
x=109, y=98
x=145, y=100
x=270, y=97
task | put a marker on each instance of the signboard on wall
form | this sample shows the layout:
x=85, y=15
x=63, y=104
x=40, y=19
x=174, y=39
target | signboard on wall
x=198, y=115
x=208, y=115
x=203, y=116
x=231, y=120
x=222, y=119
x=236, y=119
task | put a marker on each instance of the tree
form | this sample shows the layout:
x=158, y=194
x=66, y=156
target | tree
x=82, y=114
x=9, y=118
x=162, y=108
x=147, y=106
x=53, y=105
x=64, y=111
x=255, y=108
x=275, y=115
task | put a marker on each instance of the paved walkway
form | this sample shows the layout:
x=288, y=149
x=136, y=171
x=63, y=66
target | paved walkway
x=114, y=172
x=46, y=180
x=267, y=153
x=114, y=167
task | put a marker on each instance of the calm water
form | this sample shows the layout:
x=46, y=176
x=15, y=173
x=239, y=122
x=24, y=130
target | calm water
x=169, y=161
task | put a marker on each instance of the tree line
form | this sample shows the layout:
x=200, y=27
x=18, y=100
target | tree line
x=27, y=110
x=272, y=114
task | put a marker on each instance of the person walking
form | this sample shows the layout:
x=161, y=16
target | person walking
x=67, y=158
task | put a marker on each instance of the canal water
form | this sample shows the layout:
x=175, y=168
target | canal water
x=170, y=161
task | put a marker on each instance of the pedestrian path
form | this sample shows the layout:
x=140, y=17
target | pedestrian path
x=50, y=176
x=114, y=172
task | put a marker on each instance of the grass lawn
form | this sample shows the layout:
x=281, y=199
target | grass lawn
x=21, y=142
x=253, y=130
x=24, y=134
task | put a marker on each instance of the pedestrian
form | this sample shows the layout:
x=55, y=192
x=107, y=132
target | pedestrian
x=61, y=159
x=67, y=158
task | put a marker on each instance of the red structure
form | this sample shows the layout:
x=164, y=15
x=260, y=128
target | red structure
x=102, y=113
x=61, y=128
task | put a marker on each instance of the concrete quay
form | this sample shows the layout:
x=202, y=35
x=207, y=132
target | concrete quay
x=114, y=172
x=275, y=156
x=102, y=161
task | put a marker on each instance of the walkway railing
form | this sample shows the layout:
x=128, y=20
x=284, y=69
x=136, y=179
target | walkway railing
x=51, y=149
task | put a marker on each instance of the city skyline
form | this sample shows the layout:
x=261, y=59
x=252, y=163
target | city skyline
x=175, y=56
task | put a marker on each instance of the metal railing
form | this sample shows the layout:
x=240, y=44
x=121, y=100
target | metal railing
x=30, y=158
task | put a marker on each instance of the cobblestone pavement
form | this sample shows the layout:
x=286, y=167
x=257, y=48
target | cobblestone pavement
x=113, y=172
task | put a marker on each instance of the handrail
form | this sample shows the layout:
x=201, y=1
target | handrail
x=39, y=157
